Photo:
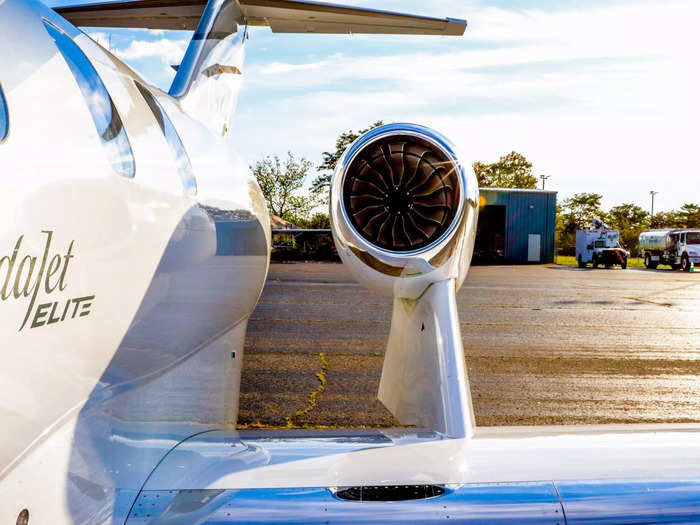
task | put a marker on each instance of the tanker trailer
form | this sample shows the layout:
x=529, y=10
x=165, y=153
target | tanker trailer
x=677, y=248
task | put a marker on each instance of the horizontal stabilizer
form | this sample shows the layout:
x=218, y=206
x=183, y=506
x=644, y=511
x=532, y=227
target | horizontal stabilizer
x=146, y=14
x=282, y=16
x=288, y=16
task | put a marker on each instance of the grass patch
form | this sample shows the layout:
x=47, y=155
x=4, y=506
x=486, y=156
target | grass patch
x=565, y=260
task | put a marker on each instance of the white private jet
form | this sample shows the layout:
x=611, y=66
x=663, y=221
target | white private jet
x=134, y=243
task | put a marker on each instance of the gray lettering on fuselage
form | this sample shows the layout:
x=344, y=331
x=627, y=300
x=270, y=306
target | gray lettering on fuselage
x=81, y=308
x=22, y=275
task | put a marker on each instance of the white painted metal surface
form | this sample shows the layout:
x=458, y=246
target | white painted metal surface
x=90, y=403
x=589, y=242
x=533, y=247
x=492, y=455
x=655, y=240
x=424, y=381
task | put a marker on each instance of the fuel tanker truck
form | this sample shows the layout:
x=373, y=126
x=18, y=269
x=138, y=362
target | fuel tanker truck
x=677, y=248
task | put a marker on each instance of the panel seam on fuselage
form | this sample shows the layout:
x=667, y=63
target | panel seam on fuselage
x=561, y=502
x=138, y=495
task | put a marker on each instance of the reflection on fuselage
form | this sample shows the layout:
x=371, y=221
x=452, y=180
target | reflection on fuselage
x=175, y=374
x=99, y=400
x=195, y=293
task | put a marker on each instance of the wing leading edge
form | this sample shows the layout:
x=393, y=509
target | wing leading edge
x=282, y=16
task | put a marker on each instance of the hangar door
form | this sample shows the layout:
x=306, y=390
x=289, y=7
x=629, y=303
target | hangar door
x=533, y=247
x=490, y=245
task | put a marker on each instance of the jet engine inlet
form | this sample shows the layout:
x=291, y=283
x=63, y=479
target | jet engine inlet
x=403, y=209
x=401, y=192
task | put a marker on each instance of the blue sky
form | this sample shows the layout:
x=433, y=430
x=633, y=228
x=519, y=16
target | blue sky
x=600, y=95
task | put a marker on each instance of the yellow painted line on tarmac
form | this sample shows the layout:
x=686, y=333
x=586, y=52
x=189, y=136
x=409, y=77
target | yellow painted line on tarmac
x=313, y=396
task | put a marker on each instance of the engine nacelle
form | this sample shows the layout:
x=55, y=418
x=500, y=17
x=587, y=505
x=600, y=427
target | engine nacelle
x=403, y=210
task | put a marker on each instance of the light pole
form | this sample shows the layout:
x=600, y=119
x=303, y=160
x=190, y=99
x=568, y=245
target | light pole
x=653, y=194
x=544, y=178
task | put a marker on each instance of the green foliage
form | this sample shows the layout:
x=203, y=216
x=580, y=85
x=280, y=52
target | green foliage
x=511, y=171
x=280, y=183
x=318, y=221
x=687, y=217
x=298, y=209
x=322, y=183
x=582, y=208
x=577, y=213
x=691, y=215
x=630, y=220
x=659, y=220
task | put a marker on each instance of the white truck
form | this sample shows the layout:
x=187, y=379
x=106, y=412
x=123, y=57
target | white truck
x=600, y=245
x=677, y=248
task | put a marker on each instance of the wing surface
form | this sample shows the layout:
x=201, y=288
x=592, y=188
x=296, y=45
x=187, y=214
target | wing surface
x=282, y=16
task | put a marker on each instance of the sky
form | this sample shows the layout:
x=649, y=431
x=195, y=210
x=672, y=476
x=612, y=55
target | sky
x=602, y=96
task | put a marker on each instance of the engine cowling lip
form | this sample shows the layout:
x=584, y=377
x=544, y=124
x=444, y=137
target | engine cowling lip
x=420, y=132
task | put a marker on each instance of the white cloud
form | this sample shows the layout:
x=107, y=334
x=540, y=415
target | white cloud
x=100, y=37
x=154, y=58
x=603, y=99
x=165, y=49
x=278, y=67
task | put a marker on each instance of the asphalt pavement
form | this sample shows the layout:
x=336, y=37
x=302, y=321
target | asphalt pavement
x=544, y=344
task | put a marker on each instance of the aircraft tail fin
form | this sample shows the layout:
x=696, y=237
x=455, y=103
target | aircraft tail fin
x=202, y=81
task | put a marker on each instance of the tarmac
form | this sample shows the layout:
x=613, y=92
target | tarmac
x=543, y=344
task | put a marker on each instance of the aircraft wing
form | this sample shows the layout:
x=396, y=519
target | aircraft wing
x=282, y=16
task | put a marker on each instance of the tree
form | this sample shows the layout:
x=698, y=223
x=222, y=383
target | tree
x=630, y=220
x=511, y=171
x=322, y=182
x=689, y=216
x=627, y=215
x=582, y=208
x=659, y=220
x=577, y=213
x=280, y=183
x=318, y=221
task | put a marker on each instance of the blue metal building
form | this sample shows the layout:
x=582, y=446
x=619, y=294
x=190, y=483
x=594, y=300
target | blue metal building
x=515, y=226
